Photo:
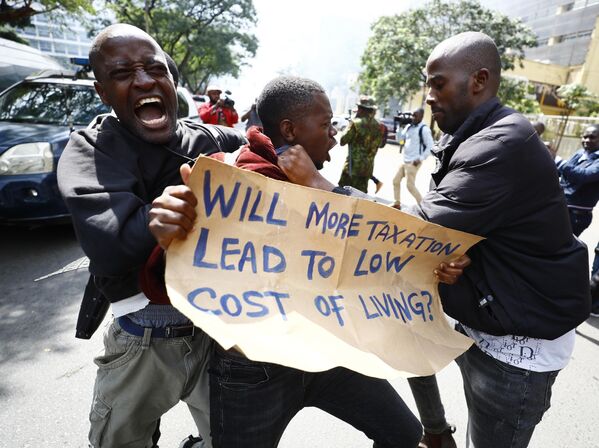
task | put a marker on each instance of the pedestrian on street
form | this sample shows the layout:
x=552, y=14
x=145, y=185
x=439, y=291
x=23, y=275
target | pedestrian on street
x=218, y=110
x=579, y=177
x=108, y=175
x=363, y=137
x=418, y=142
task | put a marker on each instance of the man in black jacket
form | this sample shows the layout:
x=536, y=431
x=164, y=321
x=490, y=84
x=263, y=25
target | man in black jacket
x=109, y=174
x=527, y=288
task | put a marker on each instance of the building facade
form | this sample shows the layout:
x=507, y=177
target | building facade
x=62, y=42
x=563, y=27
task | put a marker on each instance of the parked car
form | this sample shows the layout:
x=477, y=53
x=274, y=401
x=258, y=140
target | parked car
x=37, y=115
x=187, y=105
x=391, y=126
x=340, y=122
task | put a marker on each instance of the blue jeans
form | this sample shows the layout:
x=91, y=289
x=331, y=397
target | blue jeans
x=505, y=403
x=253, y=402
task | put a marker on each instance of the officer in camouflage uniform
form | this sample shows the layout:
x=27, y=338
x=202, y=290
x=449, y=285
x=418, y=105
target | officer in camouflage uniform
x=364, y=138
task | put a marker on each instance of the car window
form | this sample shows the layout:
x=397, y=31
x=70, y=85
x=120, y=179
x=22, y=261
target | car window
x=51, y=103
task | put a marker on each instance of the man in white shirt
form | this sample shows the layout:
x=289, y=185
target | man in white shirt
x=418, y=142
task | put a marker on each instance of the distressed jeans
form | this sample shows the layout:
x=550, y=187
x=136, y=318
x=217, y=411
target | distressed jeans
x=505, y=403
x=252, y=403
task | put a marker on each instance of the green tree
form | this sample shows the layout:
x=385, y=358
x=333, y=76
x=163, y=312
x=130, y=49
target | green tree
x=519, y=95
x=573, y=97
x=18, y=13
x=206, y=38
x=399, y=46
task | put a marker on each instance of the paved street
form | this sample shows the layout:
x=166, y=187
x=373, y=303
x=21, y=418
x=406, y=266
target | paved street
x=46, y=375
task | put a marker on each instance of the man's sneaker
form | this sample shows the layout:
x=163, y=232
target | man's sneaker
x=443, y=440
x=192, y=442
x=595, y=310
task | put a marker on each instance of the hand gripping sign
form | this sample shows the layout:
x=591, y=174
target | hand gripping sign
x=311, y=279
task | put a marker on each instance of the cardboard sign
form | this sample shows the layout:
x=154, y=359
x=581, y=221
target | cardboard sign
x=312, y=279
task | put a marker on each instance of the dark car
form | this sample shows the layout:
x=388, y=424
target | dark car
x=37, y=116
x=391, y=126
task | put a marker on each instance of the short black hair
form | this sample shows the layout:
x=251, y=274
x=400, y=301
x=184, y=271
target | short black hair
x=595, y=127
x=285, y=97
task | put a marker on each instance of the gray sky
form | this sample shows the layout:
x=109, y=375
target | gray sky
x=319, y=39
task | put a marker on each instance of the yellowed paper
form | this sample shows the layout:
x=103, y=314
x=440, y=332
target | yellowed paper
x=312, y=279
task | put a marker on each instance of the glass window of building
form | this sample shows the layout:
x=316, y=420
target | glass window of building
x=43, y=31
x=45, y=45
x=73, y=50
x=60, y=48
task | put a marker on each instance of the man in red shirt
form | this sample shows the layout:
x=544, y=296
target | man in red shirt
x=218, y=110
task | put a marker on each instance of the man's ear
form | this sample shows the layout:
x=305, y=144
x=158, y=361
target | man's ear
x=287, y=130
x=480, y=80
x=101, y=92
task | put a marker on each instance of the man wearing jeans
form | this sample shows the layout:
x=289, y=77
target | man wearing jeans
x=418, y=142
x=527, y=287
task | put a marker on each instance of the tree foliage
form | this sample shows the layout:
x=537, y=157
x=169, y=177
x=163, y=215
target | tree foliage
x=206, y=38
x=519, y=95
x=573, y=98
x=396, y=52
x=576, y=97
x=18, y=13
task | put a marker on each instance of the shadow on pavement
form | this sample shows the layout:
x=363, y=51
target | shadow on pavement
x=593, y=322
x=37, y=317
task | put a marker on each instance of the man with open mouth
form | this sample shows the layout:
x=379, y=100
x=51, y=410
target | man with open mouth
x=109, y=174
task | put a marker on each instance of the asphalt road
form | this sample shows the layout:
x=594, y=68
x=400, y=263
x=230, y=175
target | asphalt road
x=46, y=375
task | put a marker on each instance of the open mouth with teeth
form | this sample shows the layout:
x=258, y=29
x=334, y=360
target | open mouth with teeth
x=151, y=112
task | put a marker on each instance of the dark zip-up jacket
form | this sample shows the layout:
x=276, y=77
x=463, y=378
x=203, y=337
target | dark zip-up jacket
x=109, y=177
x=529, y=277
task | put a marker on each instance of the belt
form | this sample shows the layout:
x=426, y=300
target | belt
x=178, y=331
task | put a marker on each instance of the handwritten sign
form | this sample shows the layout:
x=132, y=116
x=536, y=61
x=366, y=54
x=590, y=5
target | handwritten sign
x=312, y=279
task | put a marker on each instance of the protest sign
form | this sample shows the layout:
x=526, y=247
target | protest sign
x=311, y=279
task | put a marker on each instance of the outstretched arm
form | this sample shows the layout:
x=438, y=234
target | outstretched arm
x=300, y=170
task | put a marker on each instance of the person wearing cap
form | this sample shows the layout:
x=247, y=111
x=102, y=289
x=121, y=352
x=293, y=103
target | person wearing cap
x=363, y=138
x=418, y=144
x=218, y=110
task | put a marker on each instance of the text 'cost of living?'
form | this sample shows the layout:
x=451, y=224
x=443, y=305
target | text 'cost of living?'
x=312, y=279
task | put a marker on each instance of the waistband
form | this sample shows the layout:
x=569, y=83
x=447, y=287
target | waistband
x=158, y=316
x=179, y=331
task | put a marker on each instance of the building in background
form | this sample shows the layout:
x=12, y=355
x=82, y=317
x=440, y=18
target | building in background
x=563, y=27
x=568, y=45
x=62, y=42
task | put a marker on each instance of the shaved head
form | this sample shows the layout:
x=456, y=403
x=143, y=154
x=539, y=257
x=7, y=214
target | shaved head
x=133, y=77
x=119, y=30
x=471, y=51
x=462, y=73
